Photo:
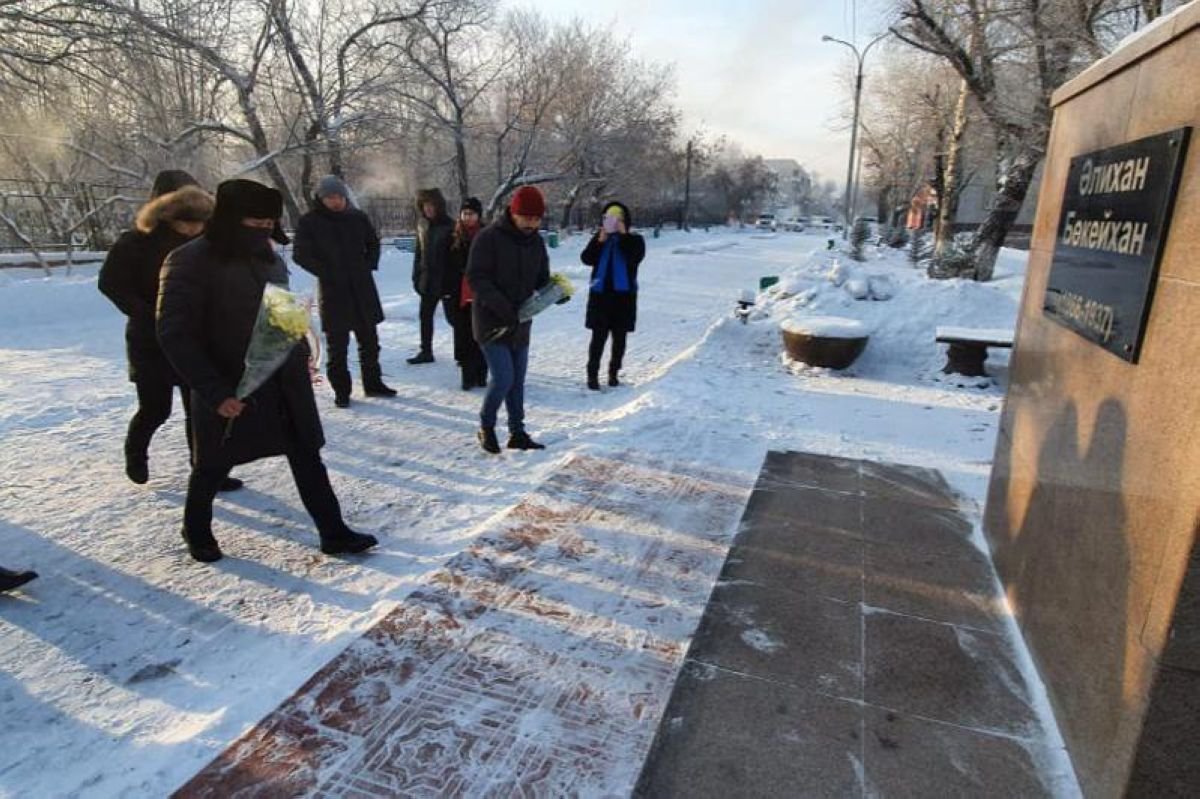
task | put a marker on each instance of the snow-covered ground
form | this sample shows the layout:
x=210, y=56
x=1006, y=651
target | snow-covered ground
x=127, y=666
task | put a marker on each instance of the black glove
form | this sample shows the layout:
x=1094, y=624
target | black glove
x=564, y=300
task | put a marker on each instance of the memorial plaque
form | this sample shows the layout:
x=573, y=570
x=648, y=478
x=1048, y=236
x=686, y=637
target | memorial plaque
x=1116, y=214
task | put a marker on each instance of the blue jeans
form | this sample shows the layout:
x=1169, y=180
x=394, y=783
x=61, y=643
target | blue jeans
x=507, y=365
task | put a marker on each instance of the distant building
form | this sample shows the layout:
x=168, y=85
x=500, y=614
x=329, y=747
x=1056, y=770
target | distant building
x=793, y=189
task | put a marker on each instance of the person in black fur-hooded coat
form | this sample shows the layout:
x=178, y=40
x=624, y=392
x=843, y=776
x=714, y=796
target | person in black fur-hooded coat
x=176, y=214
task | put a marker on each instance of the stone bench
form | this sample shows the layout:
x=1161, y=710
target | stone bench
x=968, y=348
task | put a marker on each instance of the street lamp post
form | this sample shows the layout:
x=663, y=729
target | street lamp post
x=858, y=82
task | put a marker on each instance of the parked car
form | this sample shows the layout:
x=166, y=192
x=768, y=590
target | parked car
x=823, y=223
x=765, y=222
x=794, y=225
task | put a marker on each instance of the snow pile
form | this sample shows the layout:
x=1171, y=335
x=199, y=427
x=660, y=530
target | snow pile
x=911, y=308
x=824, y=327
x=997, y=334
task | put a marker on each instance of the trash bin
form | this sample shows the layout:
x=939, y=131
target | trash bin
x=766, y=282
x=553, y=239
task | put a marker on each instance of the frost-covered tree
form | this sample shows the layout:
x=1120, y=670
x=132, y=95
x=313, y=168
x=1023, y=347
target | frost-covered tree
x=1011, y=55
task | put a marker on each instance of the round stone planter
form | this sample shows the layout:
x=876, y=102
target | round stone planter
x=826, y=341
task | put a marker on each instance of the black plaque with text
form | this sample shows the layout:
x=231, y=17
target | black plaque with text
x=1115, y=218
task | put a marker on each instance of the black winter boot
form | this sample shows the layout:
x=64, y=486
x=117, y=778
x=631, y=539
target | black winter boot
x=522, y=440
x=424, y=356
x=230, y=484
x=203, y=548
x=612, y=375
x=469, y=379
x=10, y=579
x=481, y=376
x=137, y=467
x=341, y=400
x=372, y=381
x=593, y=378
x=487, y=440
x=378, y=388
x=347, y=542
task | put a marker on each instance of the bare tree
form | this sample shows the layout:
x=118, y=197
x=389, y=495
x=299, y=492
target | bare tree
x=449, y=64
x=1011, y=55
x=522, y=101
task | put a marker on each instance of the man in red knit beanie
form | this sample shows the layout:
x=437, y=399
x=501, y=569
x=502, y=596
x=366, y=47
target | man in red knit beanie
x=507, y=264
x=528, y=201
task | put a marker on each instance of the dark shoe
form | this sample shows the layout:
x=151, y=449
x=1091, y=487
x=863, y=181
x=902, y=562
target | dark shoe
x=482, y=382
x=348, y=542
x=469, y=380
x=612, y=378
x=137, y=469
x=230, y=484
x=487, y=440
x=421, y=357
x=202, y=548
x=10, y=579
x=378, y=389
x=594, y=379
x=341, y=401
x=523, y=441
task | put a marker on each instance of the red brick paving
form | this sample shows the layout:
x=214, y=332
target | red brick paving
x=536, y=663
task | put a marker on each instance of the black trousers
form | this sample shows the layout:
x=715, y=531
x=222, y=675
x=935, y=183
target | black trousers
x=312, y=481
x=154, y=408
x=430, y=310
x=337, y=342
x=596, y=349
x=466, y=349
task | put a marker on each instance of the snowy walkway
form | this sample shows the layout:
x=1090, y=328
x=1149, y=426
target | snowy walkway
x=536, y=663
x=127, y=668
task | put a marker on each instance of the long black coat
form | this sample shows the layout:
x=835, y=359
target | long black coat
x=129, y=277
x=608, y=308
x=431, y=256
x=341, y=250
x=206, y=311
x=504, y=268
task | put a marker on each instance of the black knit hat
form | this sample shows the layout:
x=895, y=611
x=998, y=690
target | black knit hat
x=472, y=204
x=239, y=199
x=170, y=180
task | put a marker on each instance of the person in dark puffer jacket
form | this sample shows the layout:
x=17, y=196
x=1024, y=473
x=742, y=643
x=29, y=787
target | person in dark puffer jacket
x=175, y=215
x=507, y=264
x=337, y=244
x=209, y=299
x=458, y=308
x=434, y=231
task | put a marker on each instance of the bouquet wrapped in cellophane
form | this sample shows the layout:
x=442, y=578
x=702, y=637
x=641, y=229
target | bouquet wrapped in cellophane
x=282, y=321
x=556, y=292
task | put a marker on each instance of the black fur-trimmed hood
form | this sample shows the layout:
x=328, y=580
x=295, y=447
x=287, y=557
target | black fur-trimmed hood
x=189, y=202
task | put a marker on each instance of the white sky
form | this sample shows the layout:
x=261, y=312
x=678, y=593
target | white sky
x=755, y=70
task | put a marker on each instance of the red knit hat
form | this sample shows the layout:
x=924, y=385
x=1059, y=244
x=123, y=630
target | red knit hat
x=527, y=201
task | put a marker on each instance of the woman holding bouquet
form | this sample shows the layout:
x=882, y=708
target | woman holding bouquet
x=614, y=255
x=508, y=263
x=208, y=304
